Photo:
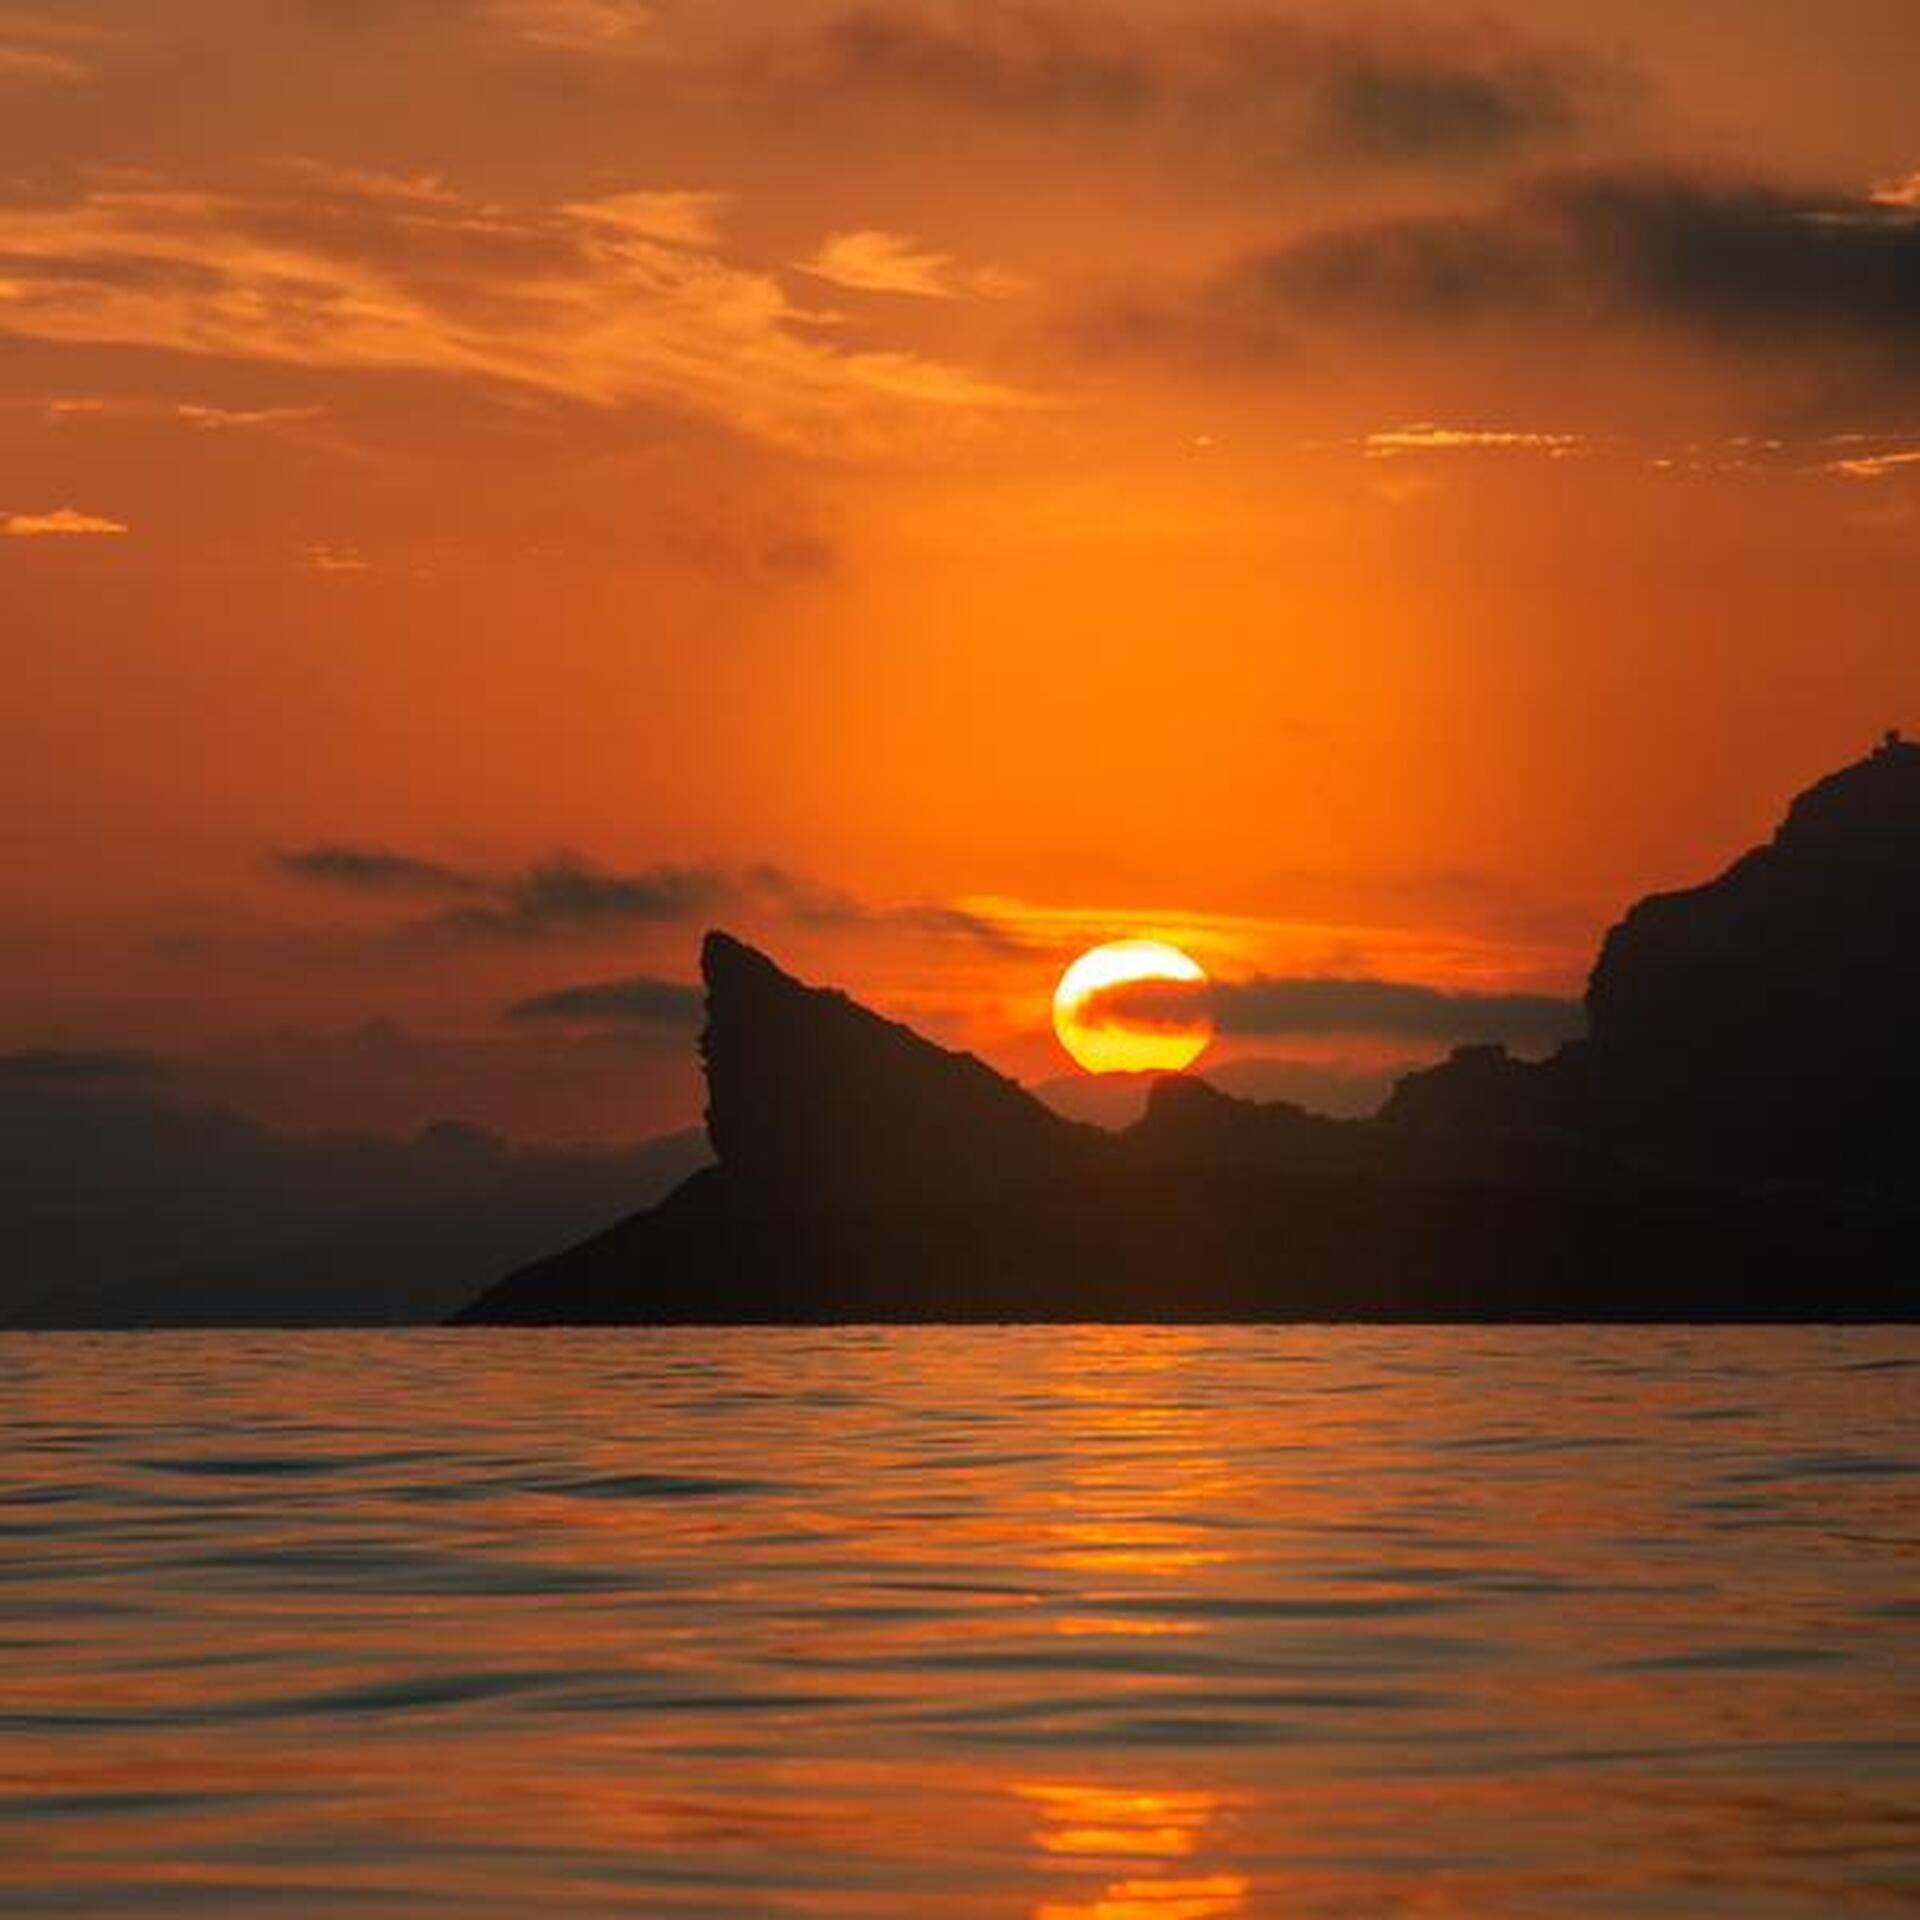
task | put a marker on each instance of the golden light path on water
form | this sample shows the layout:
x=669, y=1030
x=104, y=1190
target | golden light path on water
x=960, y=1624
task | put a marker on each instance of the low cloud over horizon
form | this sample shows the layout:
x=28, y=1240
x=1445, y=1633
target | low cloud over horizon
x=567, y=894
x=1267, y=1007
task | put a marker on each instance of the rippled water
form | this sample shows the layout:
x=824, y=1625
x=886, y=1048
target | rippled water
x=1068, y=1625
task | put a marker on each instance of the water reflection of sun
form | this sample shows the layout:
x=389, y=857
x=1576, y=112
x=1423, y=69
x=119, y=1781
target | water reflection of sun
x=1149, y=1838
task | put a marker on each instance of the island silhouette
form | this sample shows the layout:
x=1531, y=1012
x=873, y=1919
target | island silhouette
x=1737, y=1138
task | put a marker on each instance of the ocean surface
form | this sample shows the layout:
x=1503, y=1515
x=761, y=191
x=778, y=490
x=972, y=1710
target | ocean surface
x=1102, y=1624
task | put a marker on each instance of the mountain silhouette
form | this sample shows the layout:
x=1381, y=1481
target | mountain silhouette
x=1761, y=1029
x=1734, y=1140
x=814, y=1099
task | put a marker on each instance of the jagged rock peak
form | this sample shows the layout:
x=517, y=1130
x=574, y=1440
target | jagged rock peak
x=1856, y=812
x=1767, y=1022
x=816, y=1097
x=1191, y=1122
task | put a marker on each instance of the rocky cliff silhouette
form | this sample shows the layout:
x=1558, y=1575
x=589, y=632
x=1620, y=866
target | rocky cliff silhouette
x=1735, y=1140
x=1762, y=1030
x=813, y=1100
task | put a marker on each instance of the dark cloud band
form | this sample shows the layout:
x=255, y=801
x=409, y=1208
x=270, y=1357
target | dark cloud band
x=1253, y=85
x=1744, y=264
x=1269, y=1007
x=641, y=1001
x=374, y=869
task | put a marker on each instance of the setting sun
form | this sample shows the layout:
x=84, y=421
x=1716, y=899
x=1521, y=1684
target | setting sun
x=1104, y=1037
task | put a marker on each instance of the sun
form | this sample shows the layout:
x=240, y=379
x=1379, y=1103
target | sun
x=1106, y=1040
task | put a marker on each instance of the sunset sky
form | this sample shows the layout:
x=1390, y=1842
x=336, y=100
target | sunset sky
x=490, y=488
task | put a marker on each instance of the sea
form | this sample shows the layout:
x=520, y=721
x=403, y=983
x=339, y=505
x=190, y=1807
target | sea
x=1058, y=1623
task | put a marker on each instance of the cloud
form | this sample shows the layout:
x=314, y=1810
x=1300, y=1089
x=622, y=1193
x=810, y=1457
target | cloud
x=808, y=903
x=61, y=523
x=40, y=49
x=1405, y=109
x=610, y=303
x=641, y=1000
x=200, y=416
x=321, y=558
x=1744, y=264
x=871, y=261
x=1391, y=442
x=1267, y=1006
x=1874, y=466
x=566, y=894
x=40, y=65
x=561, y=893
x=677, y=217
x=374, y=869
x=207, y=419
x=1246, y=86
x=573, y=26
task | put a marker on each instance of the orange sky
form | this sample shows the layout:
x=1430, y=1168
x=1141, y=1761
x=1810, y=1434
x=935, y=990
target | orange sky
x=489, y=487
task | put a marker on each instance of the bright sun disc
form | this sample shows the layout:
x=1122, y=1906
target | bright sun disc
x=1104, y=1041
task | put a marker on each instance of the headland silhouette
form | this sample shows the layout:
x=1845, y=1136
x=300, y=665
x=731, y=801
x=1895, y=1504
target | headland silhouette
x=1736, y=1139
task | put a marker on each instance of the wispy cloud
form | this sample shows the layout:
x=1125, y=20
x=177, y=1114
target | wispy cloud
x=1235, y=87
x=44, y=49
x=324, y=558
x=641, y=1000
x=573, y=26
x=674, y=216
x=611, y=303
x=566, y=895
x=1390, y=442
x=1873, y=466
x=1903, y=191
x=1742, y=264
x=235, y=419
x=339, y=863
x=562, y=893
x=70, y=409
x=869, y=260
x=812, y=904
x=41, y=65
x=62, y=523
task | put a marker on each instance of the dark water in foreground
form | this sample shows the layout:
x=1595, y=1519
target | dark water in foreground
x=1058, y=1624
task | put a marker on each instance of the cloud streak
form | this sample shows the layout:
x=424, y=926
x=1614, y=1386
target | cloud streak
x=642, y=1000
x=41, y=49
x=1874, y=466
x=375, y=869
x=611, y=303
x=1246, y=86
x=1389, y=443
x=63, y=523
x=566, y=895
x=1746, y=265
x=1265, y=1006
x=573, y=26
x=871, y=261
